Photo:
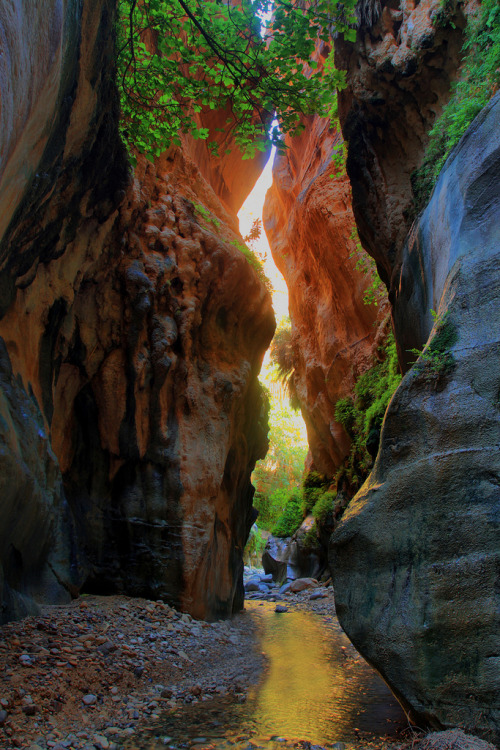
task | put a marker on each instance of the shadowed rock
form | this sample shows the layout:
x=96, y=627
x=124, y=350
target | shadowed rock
x=416, y=556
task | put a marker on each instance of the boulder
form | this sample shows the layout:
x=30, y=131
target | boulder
x=415, y=558
x=276, y=568
x=302, y=584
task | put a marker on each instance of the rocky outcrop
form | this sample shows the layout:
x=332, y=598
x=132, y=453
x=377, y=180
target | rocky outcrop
x=416, y=556
x=133, y=329
x=309, y=223
x=399, y=74
x=294, y=557
x=60, y=159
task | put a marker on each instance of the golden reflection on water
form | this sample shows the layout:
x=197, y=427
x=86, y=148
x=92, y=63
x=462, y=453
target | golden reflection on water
x=317, y=687
x=298, y=668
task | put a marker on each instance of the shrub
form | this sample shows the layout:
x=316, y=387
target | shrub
x=436, y=360
x=324, y=506
x=313, y=486
x=362, y=415
x=290, y=519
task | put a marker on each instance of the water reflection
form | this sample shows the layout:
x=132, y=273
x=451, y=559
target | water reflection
x=317, y=689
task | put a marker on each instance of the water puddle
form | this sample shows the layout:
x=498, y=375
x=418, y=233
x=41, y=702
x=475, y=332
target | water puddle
x=317, y=690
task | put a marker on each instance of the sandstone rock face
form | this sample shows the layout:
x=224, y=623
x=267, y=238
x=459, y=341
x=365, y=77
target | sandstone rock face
x=416, y=556
x=133, y=329
x=58, y=119
x=309, y=222
x=399, y=73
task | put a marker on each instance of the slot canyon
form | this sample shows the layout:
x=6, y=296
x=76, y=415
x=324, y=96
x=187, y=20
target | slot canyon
x=134, y=322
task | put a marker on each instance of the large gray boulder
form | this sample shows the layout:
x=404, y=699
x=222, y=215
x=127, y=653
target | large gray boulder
x=416, y=558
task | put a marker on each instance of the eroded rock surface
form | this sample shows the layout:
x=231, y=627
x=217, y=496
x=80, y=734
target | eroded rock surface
x=416, y=556
x=134, y=329
x=399, y=74
x=309, y=223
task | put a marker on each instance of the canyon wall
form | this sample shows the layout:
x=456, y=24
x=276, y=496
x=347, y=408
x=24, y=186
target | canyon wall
x=415, y=558
x=132, y=329
x=416, y=563
x=309, y=222
x=399, y=74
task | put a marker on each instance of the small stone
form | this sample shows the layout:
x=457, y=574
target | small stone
x=89, y=699
x=319, y=595
x=30, y=709
x=301, y=584
x=100, y=741
x=3, y=717
x=280, y=608
x=138, y=671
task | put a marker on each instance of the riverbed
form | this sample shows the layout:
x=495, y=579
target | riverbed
x=315, y=690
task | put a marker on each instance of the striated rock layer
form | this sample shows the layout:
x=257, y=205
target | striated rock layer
x=417, y=554
x=309, y=222
x=132, y=332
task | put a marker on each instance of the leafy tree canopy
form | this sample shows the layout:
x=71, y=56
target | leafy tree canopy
x=177, y=58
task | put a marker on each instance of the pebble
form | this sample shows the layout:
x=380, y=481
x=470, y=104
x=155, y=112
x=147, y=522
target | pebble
x=280, y=608
x=104, y=646
x=100, y=741
x=318, y=595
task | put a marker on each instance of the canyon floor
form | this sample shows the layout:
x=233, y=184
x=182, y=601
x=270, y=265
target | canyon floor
x=108, y=672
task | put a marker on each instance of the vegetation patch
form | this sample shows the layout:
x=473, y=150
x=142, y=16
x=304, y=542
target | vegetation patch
x=362, y=415
x=206, y=214
x=365, y=264
x=479, y=80
x=254, y=261
x=291, y=517
x=177, y=59
x=436, y=360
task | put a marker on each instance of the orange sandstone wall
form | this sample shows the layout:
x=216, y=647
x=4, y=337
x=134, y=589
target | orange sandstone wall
x=308, y=220
x=132, y=330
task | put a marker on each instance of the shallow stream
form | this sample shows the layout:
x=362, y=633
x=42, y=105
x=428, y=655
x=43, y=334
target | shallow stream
x=316, y=690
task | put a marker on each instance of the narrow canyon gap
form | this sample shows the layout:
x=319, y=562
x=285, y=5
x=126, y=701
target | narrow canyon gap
x=133, y=328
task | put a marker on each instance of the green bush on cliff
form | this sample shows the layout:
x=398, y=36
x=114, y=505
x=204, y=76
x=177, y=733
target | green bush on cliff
x=324, y=506
x=178, y=59
x=365, y=264
x=436, y=360
x=291, y=517
x=479, y=80
x=362, y=415
x=255, y=262
x=314, y=485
